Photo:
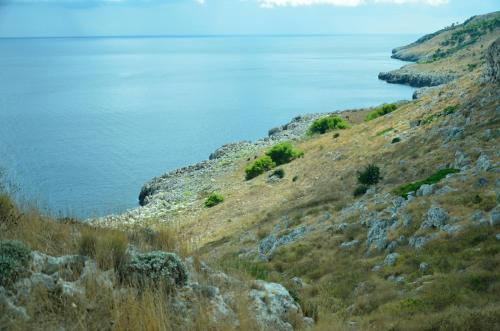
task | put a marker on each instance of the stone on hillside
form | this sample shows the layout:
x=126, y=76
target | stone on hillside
x=49, y=264
x=445, y=190
x=492, y=72
x=425, y=190
x=350, y=244
x=377, y=233
x=423, y=267
x=156, y=267
x=498, y=236
x=268, y=245
x=391, y=259
x=274, y=306
x=9, y=309
x=392, y=246
x=483, y=163
x=481, y=182
x=495, y=216
x=454, y=134
x=418, y=242
x=461, y=160
x=478, y=218
x=435, y=218
x=451, y=229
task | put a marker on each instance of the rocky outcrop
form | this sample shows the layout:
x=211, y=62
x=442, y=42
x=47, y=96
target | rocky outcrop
x=416, y=79
x=274, y=307
x=492, y=72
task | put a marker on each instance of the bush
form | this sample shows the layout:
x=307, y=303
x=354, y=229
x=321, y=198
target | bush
x=14, y=260
x=404, y=190
x=381, y=111
x=396, y=140
x=370, y=175
x=360, y=190
x=325, y=124
x=156, y=268
x=259, y=166
x=280, y=173
x=445, y=112
x=213, y=200
x=283, y=153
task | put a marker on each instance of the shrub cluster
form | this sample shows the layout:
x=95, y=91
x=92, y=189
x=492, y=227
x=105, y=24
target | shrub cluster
x=283, y=153
x=280, y=173
x=259, y=166
x=279, y=154
x=406, y=189
x=368, y=176
x=213, y=200
x=14, y=260
x=326, y=124
x=381, y=111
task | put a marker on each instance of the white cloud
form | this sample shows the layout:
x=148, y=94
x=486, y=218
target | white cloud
x=344, y=3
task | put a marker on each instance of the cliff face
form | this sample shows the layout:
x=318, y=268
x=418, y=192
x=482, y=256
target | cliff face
x=493, y=62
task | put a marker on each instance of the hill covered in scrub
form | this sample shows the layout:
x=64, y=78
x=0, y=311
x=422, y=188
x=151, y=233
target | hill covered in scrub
x=369, y=219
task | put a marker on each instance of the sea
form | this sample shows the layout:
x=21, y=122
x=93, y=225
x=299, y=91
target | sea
x=85, y=122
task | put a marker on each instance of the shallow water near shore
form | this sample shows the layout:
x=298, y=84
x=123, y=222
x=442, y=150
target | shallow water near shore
x=84, y=122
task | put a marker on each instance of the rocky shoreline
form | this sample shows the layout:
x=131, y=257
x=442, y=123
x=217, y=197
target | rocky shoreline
x=182, y=188
x=416, y=79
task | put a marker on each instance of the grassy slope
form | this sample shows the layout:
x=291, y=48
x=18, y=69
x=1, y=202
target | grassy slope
x=462, y=58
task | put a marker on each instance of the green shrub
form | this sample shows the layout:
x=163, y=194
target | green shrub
x=14, y=260
x=396, y=140
x=381, y=111
x=404, y=190
x=213, y=200
x=280, y=173
x=360, y=190
x=325, y=124
x=283, y=153
x=445, y=112
x=370, y=175
x=259, y=166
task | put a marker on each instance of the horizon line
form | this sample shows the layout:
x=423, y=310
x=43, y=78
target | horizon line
x=179, y=36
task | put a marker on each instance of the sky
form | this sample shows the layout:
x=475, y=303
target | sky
x=52, y=18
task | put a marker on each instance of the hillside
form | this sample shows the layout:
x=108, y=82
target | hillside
x=447, y=54
x=415, y=248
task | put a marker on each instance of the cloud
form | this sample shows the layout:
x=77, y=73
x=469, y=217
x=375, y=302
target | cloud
x=343, y=3
x=96, y=2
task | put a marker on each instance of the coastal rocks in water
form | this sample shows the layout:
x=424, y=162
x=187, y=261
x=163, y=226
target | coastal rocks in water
x=274, y=307
x=415, y=79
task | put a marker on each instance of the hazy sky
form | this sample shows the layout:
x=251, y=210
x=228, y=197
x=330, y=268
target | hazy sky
x=174, y=17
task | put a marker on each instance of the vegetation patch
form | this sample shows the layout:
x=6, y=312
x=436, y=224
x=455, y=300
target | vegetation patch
x=283, y=153
x=445, y=112
x=360, y=190
x=370, y=175
x=213, y=200
x=406, y=189
x=381, y=111
x=14, y=260
x=326, y=124
x=259, y=166
x=385, y=131
x=280, y=173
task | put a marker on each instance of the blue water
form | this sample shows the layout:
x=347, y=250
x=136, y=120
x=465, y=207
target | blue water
x=85, y=122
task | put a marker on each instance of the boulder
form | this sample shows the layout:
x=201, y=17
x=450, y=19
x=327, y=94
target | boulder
x=350, y=244
x=483, y=163
x=436, y=218
x=391, y=259
x=495, y=216
x=274, y=306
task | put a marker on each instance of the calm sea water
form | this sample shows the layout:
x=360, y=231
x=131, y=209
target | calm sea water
x=85, y=122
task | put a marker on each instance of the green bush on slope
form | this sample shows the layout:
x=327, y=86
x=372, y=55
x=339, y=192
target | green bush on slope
x=14, y=259
x=259, y=166
x=406, y=189
x=213, y=200
x=283, y=153
x=381, y=111
x=326, y=124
